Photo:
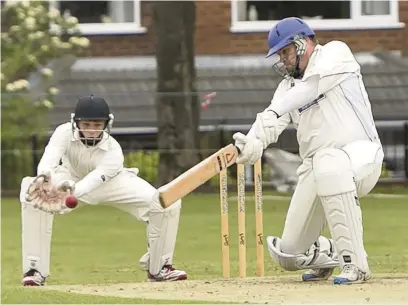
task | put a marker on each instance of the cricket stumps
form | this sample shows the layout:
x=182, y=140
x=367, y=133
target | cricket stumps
x=242, y=240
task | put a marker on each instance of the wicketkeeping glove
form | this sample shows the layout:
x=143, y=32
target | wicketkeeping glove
x=43, y=195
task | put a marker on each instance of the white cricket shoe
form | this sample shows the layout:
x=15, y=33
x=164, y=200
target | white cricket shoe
x=167, y=274
x=33, y=278
x=351, y=275
x=317, y=274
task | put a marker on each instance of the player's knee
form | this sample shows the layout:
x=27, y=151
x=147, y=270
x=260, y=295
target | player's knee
x=286, y=260
x=288, y=245
x=330, y=160
x=333, y=172
x=156, y=207
x=174, y=209
x=366, y=185
x=319, y=255
x=25, y=183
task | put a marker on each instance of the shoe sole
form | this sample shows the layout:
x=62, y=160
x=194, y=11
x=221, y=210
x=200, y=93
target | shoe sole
x=31, y=283
x=179, y=278
x=314, y=279
x=343, y=281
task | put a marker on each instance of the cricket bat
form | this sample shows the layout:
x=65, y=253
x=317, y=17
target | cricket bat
x=197, y=175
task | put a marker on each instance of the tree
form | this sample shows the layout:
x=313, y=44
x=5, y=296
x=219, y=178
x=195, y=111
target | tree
x=177, y=104
x=32, y=36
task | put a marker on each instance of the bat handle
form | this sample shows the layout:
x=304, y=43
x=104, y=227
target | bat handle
x=239, y=151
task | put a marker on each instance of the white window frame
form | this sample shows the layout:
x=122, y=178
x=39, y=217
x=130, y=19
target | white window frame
x=356, y=22
x=111, y=28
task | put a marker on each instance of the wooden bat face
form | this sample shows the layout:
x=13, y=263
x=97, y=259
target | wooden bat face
x=197, y=175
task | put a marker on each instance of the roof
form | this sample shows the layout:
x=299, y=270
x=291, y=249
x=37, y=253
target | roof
x=244, y=86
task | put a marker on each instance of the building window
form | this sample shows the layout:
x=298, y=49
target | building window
x=252, y=16
x=104, y=17
x=375, y=8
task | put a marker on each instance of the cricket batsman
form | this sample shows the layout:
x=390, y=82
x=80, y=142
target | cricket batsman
x=91, y=169
x=323, y=95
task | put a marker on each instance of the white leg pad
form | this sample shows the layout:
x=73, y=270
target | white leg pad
x=337, y=191
x=320, y=255
x=162, y=235
x=36, y=234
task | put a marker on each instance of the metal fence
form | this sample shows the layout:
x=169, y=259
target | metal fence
x=140, y=149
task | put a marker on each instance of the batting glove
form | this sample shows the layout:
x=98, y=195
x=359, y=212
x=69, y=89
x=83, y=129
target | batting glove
x=251, y=148
x=264, y=127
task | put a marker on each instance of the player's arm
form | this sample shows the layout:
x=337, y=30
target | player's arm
x=250, y=145
x=54, y=150
x=109, y=167
x=336, y=65
x=281, y=123
x=41, y=193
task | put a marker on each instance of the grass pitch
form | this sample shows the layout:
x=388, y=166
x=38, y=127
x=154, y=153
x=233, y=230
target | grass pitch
x=102, y=245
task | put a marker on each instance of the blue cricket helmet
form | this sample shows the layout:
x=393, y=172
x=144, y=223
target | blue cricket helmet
x=285, y=31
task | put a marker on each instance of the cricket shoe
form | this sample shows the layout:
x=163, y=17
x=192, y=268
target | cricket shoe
x=317, y=274
x=167, y=274
x=33, y=278
x=351, y=275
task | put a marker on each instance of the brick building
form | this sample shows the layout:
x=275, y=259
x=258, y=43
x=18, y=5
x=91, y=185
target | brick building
x=222, y=26
x=231, y=41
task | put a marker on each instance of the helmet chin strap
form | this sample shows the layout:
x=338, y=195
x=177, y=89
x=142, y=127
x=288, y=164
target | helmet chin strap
x=297, y=73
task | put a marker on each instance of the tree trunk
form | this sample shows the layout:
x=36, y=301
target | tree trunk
x=177, y=103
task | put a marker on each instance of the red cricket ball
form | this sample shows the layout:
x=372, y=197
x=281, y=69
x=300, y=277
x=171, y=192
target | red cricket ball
x=71, y=201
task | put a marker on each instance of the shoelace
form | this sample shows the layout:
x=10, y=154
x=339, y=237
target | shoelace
x=32, y=272
x=169, y=267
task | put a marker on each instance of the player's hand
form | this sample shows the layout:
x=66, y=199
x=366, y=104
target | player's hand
x=265, y=126
x=66, y=186
x=251, y=148
x=45, y=196
x=42, y=183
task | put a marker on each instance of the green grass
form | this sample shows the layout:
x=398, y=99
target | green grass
x=402, y=190
x=99, y=244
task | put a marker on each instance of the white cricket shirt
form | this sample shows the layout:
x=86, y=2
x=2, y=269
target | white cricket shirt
x=90, y=166
x=341, y=111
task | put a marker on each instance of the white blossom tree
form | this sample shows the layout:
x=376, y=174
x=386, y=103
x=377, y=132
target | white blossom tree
x=32, y=36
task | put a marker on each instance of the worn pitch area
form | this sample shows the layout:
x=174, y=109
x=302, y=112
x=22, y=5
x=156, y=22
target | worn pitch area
x=381, y=289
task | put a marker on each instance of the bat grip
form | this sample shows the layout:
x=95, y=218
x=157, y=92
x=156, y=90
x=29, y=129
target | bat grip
x=239, y=151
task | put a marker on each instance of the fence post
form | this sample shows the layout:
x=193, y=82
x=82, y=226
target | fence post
x=34, y=157
x=406, y=149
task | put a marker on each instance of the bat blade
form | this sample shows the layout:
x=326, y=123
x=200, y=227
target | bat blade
x=197, y=175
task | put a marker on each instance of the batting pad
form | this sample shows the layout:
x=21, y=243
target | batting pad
x=344, y=220
x=337, y=191
x=320, y=255
x=36, y=234
x=162, y=235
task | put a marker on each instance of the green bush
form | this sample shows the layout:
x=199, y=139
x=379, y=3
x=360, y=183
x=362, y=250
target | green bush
x=385, y=172
x=146, y=161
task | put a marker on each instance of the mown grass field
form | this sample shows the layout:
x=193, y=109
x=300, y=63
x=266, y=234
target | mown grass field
x=99, y=244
